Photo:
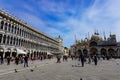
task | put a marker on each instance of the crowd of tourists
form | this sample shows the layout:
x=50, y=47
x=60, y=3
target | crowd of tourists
x=81, y=58
x=17, y=60
x=23, y=59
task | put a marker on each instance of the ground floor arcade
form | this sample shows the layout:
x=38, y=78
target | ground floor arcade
x=104, y=51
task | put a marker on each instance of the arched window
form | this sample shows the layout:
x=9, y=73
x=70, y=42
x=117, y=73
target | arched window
x=18, y=31
x=17, y=41
x=15, y=30
x=9, y=28
x=14, y=41
x=0, y=38
x=2, y=24
x=8, y=39
x=12, y=29
x=11, y=40
x=4, y=39
x=6, y=26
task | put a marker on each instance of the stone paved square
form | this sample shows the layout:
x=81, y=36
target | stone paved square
x=50, y=70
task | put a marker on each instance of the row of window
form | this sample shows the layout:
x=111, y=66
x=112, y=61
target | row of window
x=8, y=40
x=15, y=29
x=21, y=30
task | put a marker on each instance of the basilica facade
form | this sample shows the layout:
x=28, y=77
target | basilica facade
x=18, y=37
x=97, y=45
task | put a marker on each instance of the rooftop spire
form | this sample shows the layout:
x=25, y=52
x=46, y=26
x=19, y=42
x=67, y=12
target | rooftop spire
x=104, y=36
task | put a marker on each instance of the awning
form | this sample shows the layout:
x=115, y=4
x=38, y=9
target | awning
x=19, y=51
x=48, y=53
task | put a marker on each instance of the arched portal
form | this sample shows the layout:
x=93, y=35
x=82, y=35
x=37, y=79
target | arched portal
x=31, y=54
x=1, y=38
x=1, y=54
x=28, y=53
x=35, y=54
x=103, y=52
x=79, y=52
x=85, y=52
x=111, y=52
x=7, y=53
x=93, y=51
x=14, y=53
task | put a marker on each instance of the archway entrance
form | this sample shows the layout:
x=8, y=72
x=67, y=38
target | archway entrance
x=79, y=52
x=93, y=51
x=111, y=52
x=103, y=52
x=31, y=54
x=35, y=54
x=28, y=53
x=14, y=53
x=85, y=52
x=7, y=53
x=1, y=54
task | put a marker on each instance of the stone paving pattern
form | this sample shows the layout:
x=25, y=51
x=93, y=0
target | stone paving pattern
x=50, y=70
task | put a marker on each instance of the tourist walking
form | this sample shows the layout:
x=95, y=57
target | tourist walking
x=82, y=58
x=89, y=59
x=17, y=60
x=58, y=58
x=8, y=60
x=41, y=57
x=95, y=59
x=72, y=57
x=26, y=61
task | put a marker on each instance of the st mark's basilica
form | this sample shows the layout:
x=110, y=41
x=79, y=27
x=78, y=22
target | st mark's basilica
x=97, y=45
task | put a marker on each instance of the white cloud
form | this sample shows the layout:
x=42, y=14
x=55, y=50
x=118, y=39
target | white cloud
x=102, y=15
x=56, y=8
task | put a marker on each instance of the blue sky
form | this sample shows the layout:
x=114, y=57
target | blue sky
x=68, y=18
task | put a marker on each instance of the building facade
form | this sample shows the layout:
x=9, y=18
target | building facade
x=98, y=45
x=17, y=36
x=61, y=47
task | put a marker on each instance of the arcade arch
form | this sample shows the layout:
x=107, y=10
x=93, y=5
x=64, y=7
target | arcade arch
x=111, y=52
x=93, y=51
x=103, y=51
x=85, y=52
